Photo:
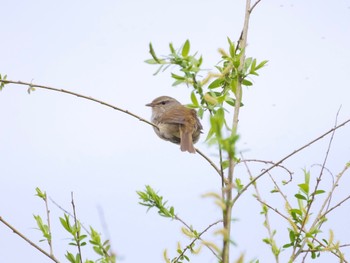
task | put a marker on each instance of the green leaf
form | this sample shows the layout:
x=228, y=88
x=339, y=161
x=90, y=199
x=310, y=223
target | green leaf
x=319, y=192
x=304, y=188
x=232, y=48
x=216, y=83
x=70, y=257
x=297, y=211
x=194, y=99
x=178, y=82
x=287, y=245
x=301, y=197
x=186, y=49
x=151, y=61
x=230, y=101
x=291, y=236
x=261, y=64
x=177, y=77
x=65, y=223
x=200, y=60
x=153, y=54
x=172, y=49
x=247, y=64
x=40, y=194
x=225, y=164
x=246, y=82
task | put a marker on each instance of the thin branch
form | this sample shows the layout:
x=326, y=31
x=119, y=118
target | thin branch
x=210, y=162
x=335, y=206
x=106, y=231
x=318, y=180
x=198, y=238
x=336, y=183
x=253, y=6
x=286, y=218
x=31, y=85
x=287, y=157
x=272, y=242
x=77, y=230
x=14, y=230
x=48, y=224
x=68, y=213
x=270, y=162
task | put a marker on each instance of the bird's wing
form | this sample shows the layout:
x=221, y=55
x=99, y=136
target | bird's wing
x=177, y=115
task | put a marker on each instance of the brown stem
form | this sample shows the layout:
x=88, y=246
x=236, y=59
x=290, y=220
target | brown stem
x=285, y=158
x=76, y=223
x=80, y=96
x=227, y=213
x=48, y=224
x=103, y=103
x=28, y=241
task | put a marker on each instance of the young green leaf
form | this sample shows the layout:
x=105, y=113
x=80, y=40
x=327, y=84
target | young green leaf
x=216, y=83
x=153, y=54
x=300, y=196
x=304, y=188
x=194, y=99
x=186, y=49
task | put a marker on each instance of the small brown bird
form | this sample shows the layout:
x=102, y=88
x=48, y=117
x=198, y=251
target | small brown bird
x=176, y=123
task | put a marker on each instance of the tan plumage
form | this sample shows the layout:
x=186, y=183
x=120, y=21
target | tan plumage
x=176, y=123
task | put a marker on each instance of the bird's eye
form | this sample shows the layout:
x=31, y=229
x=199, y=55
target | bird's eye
x=163, y=102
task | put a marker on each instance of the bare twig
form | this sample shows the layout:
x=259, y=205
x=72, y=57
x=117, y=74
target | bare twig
x=76, y=223
x=48, y=224
x=52, y=257
x=287, y=157
x=254, y=5
x=31, y=85
x=272, y=242
x=105, y=230
x=198, y=238
x=286, y=218
x=318, y=180
x=68, y=213
x=210, y=162
x=270, y=162
x=335, y=206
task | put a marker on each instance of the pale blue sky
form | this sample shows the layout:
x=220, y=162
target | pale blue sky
x=62, y=143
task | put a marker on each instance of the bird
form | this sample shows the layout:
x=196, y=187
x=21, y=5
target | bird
x=175, y=122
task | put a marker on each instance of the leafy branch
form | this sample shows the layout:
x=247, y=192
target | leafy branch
x=151, y=199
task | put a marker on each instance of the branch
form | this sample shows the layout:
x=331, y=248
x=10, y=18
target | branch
x=287, y=157
x=77, y=229
x=318, y=180
x=253, y=6
x=48, y=224
x=335, y=206
x=197, y=238
x=100, y=102
x=286, y=218
x=270, y=162
x=210, y=162
x=52, y=257
x=80, y=96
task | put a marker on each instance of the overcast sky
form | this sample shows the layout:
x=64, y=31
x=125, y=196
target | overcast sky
x=62, y=143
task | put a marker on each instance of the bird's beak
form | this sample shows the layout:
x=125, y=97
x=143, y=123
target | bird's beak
x=149, y=104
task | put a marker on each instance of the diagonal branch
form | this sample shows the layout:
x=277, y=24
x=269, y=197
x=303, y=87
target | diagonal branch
x=287, y=157
x=31, y=85
x=52, y=257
